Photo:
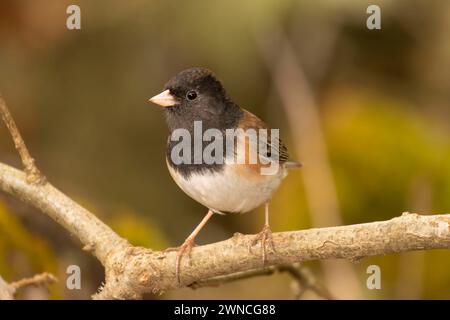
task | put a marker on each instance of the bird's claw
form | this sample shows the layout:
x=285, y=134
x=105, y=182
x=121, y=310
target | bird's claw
x=266, y=239
x=186, y=247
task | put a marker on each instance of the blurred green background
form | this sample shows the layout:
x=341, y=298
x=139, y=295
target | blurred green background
x=373, y=130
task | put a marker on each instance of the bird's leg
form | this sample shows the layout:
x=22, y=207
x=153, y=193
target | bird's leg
x=187, y=245
x=265, y=236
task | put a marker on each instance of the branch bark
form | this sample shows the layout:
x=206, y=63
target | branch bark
x=132, y=271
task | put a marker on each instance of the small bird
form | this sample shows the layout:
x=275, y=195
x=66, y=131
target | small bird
x=196, y=95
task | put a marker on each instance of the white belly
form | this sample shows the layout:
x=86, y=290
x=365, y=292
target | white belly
x=228, y=191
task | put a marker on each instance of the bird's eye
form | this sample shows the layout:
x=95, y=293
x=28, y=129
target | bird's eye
x=191, y=95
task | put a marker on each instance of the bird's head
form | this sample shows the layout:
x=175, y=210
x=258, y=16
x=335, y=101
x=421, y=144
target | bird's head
x=196, y=94
x=194, y=88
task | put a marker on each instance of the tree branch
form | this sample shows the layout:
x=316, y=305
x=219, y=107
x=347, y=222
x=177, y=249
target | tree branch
x=34, y=176
x=132, y=271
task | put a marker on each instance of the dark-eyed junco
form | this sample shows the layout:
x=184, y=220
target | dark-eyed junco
x=198, y=108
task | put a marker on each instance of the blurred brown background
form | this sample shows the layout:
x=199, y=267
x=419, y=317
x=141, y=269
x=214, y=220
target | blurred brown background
x=367, y=111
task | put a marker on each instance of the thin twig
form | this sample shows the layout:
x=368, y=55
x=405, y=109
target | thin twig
x=9, y=290
x=303, y=277
x=34, y=176
x=306, y=281
x=218, y=281
x=41, y=279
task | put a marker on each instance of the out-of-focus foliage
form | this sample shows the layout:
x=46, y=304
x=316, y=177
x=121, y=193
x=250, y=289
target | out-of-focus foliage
x=382, y=155
x=79, y=98
x=394, y=162
x=131, y=226
x=22, y=253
